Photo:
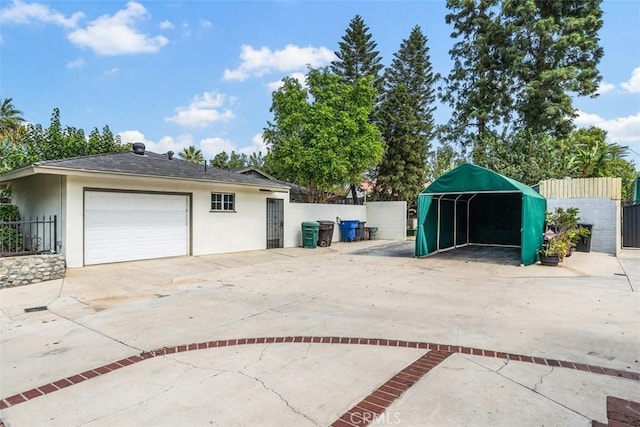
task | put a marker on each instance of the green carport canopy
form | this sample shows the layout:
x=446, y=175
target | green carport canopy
x=474, y=205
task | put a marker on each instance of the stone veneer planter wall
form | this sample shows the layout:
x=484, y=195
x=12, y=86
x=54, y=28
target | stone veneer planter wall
x=25, y=270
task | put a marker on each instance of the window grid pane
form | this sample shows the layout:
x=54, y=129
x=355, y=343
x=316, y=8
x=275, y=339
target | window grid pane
x=223, y=202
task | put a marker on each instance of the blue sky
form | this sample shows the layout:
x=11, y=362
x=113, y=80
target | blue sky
x=178, y=73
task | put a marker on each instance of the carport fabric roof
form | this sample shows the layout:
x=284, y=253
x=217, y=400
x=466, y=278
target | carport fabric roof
x=468, y=178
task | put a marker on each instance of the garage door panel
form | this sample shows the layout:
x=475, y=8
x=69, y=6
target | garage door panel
x=134, y=226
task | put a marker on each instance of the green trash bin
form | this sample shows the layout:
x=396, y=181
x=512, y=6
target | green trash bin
x=310, y=234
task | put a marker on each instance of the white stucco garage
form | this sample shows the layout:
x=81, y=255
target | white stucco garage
x=126, y=226
x=128, y=206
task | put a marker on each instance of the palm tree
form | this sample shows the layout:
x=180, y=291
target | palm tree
x=11, y=121
x=191, y=154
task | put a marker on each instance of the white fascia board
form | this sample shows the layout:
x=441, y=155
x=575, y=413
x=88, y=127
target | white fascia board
x=91, y=173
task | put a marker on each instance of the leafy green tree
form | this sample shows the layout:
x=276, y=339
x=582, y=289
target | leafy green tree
x=590, y=156
x=405, y=118
x=531, y=157
x=220, y=160
x=320, y=136
x=523, y=156
x=442, y=160
x=357, y=58
x=191, y=154
x=237, y=160
x=57, y=142
x=256, y=159
x=11, y=122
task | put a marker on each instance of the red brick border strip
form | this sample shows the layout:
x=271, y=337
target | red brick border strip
x=366, y=411
x=444, y=348
x=621, y=413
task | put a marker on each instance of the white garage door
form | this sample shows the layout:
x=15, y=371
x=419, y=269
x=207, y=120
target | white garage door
x=134, y=226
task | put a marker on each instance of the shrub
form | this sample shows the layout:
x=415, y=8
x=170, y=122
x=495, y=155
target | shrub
x=9, y=213
x=11, y=239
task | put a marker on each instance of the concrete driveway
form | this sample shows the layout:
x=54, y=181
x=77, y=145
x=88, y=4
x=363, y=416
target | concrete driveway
x=331, y=336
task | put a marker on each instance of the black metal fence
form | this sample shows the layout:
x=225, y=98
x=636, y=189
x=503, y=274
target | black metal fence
x=631, y=226
x=28, y=236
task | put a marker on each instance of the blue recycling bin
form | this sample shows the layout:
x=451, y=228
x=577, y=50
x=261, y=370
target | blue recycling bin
x=348, y=230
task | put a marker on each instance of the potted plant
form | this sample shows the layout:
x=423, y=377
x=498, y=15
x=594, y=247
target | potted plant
x=554, y=250
x=562, y=235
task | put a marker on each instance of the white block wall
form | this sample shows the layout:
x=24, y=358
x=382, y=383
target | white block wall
x=390, y=218
x=297, y=213
x=603, y=213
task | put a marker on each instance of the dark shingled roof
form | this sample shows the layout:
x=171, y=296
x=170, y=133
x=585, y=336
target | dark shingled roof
x=153, y=164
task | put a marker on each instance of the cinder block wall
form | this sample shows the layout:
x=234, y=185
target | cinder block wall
x=603, y=213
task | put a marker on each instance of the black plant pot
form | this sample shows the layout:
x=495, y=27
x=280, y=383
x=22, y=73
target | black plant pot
x=552, y=260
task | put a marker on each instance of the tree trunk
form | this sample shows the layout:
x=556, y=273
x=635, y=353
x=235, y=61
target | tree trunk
x=354, y=195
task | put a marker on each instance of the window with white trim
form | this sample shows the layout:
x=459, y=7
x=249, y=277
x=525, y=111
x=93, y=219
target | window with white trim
x=223, y=202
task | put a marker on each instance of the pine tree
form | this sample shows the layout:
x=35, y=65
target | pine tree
x=517, y=66
x=557, y=52
x=405, y=119
x=478, y=88
x=358, y=58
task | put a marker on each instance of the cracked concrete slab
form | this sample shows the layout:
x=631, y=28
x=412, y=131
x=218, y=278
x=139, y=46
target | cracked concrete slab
x=462, y=392
x=41, y=347
x=582, y=312
x=581, y=391
x=283, y=384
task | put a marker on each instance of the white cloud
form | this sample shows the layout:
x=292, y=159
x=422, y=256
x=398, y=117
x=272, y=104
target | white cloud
x=78, y=63
x=257, y=62
x=167, y=25
x=111, y=72
x=623, y=130
x=206, y=23
x=19, y=12
x=258, y=145
x=633, y=85
x=132, y=136
x=605, y=87
x=212, y=146
x=203, y=110
x=587, y=119
x=301, y=77
x=117, y=35
x=209, y=146
x=166, y=143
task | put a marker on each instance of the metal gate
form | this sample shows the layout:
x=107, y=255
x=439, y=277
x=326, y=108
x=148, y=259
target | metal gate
x=275, y=223
x=631, y=226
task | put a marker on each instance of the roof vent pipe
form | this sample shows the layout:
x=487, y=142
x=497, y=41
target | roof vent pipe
x=138, y=148
x=170, y=155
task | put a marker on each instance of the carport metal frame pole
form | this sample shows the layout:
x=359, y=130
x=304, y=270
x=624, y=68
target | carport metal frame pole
x=455, y=221
x=469, y=203
x=438, y=229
